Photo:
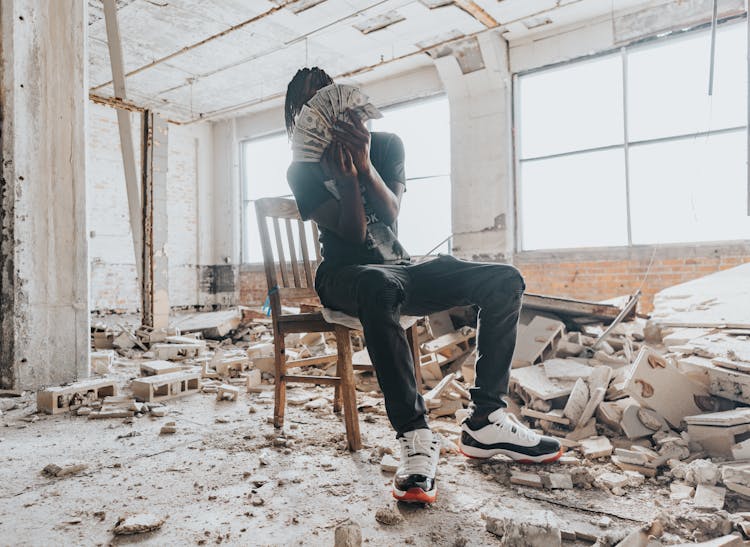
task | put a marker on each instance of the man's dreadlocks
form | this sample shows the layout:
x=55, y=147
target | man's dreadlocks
x=295, y=92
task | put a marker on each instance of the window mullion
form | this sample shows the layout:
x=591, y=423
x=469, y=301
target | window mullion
x=626, y=148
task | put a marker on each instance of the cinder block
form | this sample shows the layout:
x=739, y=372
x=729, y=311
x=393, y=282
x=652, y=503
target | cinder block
x=55, y=400
x=165, y=386
x=228, y=393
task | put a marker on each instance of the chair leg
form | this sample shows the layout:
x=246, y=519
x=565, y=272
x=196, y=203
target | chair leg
x=279, y=400
x=337, y=399
x=412, y=335
x=345, y=371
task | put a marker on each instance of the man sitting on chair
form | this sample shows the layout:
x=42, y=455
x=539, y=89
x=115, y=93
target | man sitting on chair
x=368, y=274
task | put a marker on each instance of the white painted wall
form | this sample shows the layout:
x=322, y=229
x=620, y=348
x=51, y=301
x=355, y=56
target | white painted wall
x=190, y=213
x=44, y=320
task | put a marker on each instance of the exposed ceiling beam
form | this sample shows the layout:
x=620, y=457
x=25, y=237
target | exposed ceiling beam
x=201, y=42
x=477, y=12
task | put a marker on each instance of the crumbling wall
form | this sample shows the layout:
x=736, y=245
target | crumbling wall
x=113, y=275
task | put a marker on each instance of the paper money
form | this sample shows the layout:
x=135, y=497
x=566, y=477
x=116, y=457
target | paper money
x=313, y=130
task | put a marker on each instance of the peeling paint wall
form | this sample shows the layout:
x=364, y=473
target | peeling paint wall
x=43, y=249
x=189, y=195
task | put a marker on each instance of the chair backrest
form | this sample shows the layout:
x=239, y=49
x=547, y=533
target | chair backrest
x=298, y=274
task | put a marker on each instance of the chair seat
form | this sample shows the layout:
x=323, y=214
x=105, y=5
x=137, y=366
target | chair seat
x=341, y=318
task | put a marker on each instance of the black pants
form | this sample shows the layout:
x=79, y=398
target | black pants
x=378, y=294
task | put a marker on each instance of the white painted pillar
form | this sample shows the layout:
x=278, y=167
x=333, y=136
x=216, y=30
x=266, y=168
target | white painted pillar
x=44, y=318
x=481, y=159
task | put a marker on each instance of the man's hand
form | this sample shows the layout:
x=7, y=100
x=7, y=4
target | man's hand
x=356, y=139
x=337, y=162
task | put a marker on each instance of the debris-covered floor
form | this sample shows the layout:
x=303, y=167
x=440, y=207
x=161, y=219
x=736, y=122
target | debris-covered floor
x=172, y=441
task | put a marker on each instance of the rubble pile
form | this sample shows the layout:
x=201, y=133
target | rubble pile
x=661, y=402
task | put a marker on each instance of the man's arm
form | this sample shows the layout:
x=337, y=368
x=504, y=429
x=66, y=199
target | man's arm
x=384, y=197
x=346, y=217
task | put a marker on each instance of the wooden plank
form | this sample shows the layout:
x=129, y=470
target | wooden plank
x=268, y=261
x=568, y=307
x=305, y=254
x=348, y=392
x=297, y=293
x=305, y=379
x=280, y=251
x=126, y=134
x=292, y=252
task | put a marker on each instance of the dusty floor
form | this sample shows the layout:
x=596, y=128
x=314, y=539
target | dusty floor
x=205, y=479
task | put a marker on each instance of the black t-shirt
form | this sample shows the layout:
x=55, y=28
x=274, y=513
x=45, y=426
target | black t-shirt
x=311, y=190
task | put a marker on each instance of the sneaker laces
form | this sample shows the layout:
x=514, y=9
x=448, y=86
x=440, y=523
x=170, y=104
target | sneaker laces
x=509, y=423
x=418, y=455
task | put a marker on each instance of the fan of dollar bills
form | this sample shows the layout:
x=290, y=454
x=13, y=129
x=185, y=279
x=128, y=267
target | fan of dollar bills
x=313, y=130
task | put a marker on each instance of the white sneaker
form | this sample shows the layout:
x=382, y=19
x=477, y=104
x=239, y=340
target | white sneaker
x=415, y=477
x=503, y=433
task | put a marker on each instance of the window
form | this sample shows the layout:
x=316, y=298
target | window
x=628, y=148
x=425, y=217
x=264, y=164
x=424, y=128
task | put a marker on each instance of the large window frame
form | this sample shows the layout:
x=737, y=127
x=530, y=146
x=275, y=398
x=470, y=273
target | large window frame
x=247, y=198
x=625, y=146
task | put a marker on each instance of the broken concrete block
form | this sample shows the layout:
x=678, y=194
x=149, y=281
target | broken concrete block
x=174, y=352
x=709, y=497
x=253, y=379
x=680, y=491
x=654, y=382
x=54, y=470
x=347, y=534
x=610, y=480
x=152, y=368
x=577, y=401
x=557, y=481
x=583, y=431
x=101, y=361
x=566, y=369
x=388, y=516
x=535, y=383
x=536, y=341
x=526, y=479
x=596, y=447
x=137, y=524
x=168, y=429
x=631, y=456
x=54, y=400
x=702, y=472
x=388, y=464
x=632, y=425
x=226, y=392
x=165, y=386
x=648, y=470
x=533, y=528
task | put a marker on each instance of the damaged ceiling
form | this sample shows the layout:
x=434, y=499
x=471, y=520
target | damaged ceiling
x=207, y=59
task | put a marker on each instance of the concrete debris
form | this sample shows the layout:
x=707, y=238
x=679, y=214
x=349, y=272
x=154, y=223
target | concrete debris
x=388, y=464
x=168, y=429
x=388, y=516
x=709, y=497
x=534, y=528
x=347, y=534
x=137, y=524
x=54, y=470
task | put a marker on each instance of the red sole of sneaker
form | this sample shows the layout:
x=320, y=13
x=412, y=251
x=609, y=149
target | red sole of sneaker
x=416, y=495
x=551, y=459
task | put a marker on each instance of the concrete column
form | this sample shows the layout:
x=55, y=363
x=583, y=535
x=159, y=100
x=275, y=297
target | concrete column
x=155, y=287
x=476, y=78
x=44, y=319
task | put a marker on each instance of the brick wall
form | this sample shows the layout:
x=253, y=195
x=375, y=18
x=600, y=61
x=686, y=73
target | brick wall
x=607, y=273
x=592, y=274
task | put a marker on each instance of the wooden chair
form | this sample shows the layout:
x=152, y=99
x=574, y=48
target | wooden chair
x=297, y=282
